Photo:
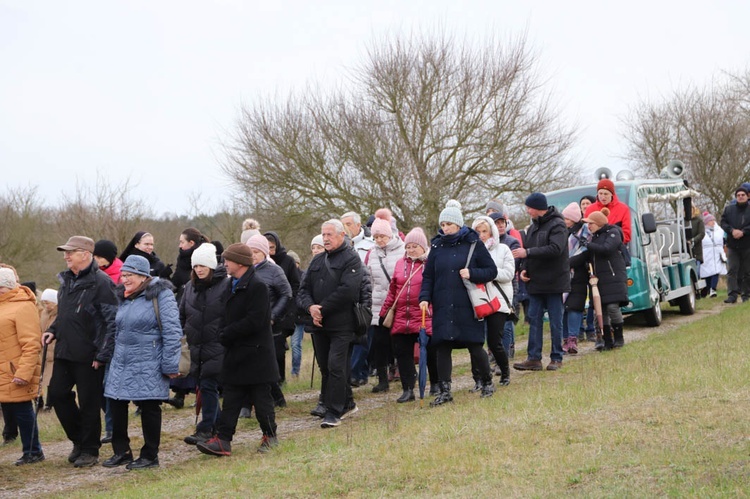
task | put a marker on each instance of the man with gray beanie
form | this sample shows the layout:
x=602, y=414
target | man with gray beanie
x=85, y=333
x=546, y=271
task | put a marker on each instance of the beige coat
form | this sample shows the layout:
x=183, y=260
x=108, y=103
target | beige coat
x=47, y=318
x=20, y=344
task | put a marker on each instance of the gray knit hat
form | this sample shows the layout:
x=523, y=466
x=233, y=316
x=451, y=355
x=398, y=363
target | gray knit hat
x=452, y=213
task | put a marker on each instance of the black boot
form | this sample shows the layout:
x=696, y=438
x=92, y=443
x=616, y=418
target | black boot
x=407, y=396
x=608, y=341
x=178, y=402
x=617, y=332
x=382, y=385
x=488, y=388
x=599, y=345
x=444, y=396
x=477, y=386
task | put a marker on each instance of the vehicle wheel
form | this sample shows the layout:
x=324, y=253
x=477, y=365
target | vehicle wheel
x=687, y=302
x=653, y=316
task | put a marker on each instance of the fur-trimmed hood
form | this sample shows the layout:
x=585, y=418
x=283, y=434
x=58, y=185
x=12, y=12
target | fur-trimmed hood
x=155, y=286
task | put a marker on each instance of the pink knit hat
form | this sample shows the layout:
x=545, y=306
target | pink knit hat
x=416, y=235
x=572, y=212
x=258, y=242
x=381, y=227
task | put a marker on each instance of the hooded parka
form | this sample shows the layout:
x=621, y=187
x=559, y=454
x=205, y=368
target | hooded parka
x=20, y=344
x=609, y=265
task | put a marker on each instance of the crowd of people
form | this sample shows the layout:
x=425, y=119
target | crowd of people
x=120, y=328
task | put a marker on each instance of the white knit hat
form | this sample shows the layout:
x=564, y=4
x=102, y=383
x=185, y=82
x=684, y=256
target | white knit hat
x=8, y=278
x=50, y=295
x=317, y=240
x=452, y=213
x=205, y=255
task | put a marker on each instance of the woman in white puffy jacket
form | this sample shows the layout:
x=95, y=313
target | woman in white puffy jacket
x=506, y=269
x=714, y=257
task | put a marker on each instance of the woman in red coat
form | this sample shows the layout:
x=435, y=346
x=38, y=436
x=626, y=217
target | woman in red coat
x=619, y=212
x=403, y=293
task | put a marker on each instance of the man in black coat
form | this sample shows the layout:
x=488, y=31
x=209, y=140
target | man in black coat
x=328, y=292
x=249, y=365
x=735, y=221
x=546, y=272
x=85, y=334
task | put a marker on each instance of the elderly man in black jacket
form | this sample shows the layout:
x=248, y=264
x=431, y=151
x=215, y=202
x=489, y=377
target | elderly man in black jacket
x=546, y=272
x=249, y=364
x=328, y=292
x=735, y=221
x=85, y=334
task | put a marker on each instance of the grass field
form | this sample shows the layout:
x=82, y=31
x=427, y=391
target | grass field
x=666, y=416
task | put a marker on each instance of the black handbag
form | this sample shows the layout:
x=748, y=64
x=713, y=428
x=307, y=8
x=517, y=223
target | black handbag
x=363, y=316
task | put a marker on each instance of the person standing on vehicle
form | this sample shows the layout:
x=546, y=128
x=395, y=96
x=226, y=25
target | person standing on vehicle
x=609, y=267
x=735, y=221
x=85, y=332
x=619, y=212
x=546, y=272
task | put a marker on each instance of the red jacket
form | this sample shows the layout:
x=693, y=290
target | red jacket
x=408, y=316
x=619, y=214
x=114, y=270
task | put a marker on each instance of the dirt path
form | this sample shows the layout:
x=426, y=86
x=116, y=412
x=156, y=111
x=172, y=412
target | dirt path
x=55, y=475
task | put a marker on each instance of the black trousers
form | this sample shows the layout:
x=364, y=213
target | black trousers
x=333, y=350
x=738, y=272
x=403, y=349
x=495, y=326
x=82, y=424
x=150, y=421
x=10, y=425
x=238, y=396
x=381, y=346
x=279, y=345
x=477, y=353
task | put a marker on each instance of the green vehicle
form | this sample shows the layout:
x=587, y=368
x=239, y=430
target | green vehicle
x=662, y=267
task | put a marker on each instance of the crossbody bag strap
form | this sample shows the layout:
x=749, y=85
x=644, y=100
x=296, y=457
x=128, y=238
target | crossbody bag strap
x=471, y=252
x=405, y=283
x=499, y=288
x=387, y=276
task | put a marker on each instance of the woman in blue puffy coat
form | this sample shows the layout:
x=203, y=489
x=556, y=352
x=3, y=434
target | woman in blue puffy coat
x=146, y=357
x=453, y=323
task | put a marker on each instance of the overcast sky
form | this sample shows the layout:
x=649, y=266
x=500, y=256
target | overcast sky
x=146, y=90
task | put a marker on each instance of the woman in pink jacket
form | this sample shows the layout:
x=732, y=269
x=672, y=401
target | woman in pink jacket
x=403, y=295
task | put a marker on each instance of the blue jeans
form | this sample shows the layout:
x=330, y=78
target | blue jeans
x=509, y=335
x=29, y=431
x=299, y=333
x=590, y=321
x=360, y=367
x=553, y=304
x=572, y=322
x=210, y=405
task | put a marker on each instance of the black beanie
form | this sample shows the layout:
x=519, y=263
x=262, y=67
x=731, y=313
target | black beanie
x=105, y=249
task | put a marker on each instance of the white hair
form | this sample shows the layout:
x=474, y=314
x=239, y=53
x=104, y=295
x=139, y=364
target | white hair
x=354, y=216
x=336, y=225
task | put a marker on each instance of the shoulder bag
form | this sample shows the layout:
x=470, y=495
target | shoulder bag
x=485, y=299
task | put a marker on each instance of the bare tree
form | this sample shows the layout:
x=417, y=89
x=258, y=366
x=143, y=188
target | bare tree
x=24, y=234
x=425, y=120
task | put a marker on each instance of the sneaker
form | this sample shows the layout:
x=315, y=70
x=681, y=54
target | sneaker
x=198, y=437
x=118, y=460
x=245, y=413
x=712, y=294
x=215, y=447
x=330, y=421
x=349, y=410
x=86, y=461
x=554, y=365
x=30, y=459
x=319, y=411
x=267, y=443
x=528, y=365
x=74, y=454
x=142, y=463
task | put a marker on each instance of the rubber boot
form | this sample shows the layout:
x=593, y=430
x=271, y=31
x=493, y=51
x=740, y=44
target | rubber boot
x=608, y=341
x=617, y=332
x=382, y=385
x=599, y=345
x=444, y=396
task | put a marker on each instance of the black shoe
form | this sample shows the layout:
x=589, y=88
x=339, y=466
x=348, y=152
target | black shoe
x=349, y=410
x=216, y=447
x=381, y=387
x=731, y=299
x=319, y=411
x=86, y=461
x=444, y=396
x=118, y=460
x=30, y=459
x=488, y=388
x=74, y=454
x=107, y=438
x=330, y=421
x=407, y=396
x=142, y=463
x=177, y=403
x=198, y=437
x=477, y=386
x=505, y=380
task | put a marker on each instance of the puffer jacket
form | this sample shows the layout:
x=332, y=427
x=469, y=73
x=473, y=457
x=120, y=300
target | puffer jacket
x=407, y=318
x=713, y=252
x=609, y=266
x=86, y=307
x=281, y=257
x=503, y=258
x=334, y=281
x=114, y=270
x=202, y=316
x=279, y=290
x=619, y=214
x=145, y=353
x=376, y=259
x=579, y=267
x=20, y=344
x=442, y=286
x=546, y=261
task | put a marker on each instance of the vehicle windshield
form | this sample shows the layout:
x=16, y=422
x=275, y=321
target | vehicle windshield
x=562, y=198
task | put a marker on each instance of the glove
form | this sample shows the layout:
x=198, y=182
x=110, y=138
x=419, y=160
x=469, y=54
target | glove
x=167, y=272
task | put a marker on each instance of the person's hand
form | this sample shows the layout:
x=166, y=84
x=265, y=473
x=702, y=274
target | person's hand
x=173, y=375
x=464, y=273
x=737, y=233
x=424, y=306
x=20, y=382
x=96, y=364
x=316, y=314
x=524, y=277
x=47, y=338
x=519, y=253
